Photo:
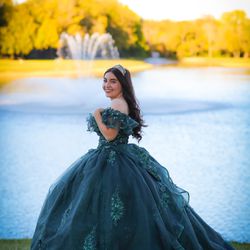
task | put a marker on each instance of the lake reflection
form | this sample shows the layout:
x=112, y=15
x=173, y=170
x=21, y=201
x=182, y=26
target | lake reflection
x=199, y=129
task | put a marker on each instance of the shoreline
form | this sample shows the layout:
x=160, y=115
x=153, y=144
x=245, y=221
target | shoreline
x=11, y=70
x=215, y=61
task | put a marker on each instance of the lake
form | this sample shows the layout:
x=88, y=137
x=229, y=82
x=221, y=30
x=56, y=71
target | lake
x=198, y=128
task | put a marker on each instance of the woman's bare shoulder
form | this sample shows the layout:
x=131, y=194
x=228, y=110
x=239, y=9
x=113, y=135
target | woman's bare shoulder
x=120, y=105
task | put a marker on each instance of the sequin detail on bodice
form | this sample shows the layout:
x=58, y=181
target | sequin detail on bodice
x=113, y=119
x=120, y=139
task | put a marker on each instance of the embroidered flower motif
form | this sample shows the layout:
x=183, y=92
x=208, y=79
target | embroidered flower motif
x=113, y=119
x=65, y=215
x=165, y=198
x=90, y=240
x=156, y=212
x=116, y=119
x=120, y=139
x=111, y=157
x=153, y=171
x=117, y=207
x=150, y=167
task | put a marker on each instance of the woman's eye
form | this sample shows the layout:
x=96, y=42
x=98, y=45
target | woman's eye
x=110, y=81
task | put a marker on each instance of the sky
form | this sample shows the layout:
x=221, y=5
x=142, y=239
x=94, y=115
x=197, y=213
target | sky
x=179, y=10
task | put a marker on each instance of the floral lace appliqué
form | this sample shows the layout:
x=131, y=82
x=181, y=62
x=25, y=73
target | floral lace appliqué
x=165, y=198
x=65, y=215
x=111, y=157
x=117, y=207
x=153, y=171
x=90, y=241
x=150, y=167
x=115, y=119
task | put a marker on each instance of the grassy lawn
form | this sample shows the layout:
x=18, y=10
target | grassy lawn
x=24, y=244
x=15, y=69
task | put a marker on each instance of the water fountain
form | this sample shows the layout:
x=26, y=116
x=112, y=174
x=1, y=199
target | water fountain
x=63, y=94
x=87, y=47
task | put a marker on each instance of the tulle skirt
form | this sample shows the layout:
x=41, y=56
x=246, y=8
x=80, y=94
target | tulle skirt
x=120, y=198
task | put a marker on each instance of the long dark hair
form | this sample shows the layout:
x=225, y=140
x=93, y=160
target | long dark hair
x=129, y=95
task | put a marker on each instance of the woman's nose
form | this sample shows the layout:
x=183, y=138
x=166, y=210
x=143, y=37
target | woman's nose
x=107, y=84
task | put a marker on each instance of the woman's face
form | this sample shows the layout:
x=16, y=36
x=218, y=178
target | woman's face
x=111, y=86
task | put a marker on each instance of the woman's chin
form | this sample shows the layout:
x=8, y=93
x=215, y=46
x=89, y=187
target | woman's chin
x=108, y=95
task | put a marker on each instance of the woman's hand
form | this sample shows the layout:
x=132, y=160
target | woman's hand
x=108, y=133
x=97, y=112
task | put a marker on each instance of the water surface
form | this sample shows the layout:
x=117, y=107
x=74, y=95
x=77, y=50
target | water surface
x=198, y=128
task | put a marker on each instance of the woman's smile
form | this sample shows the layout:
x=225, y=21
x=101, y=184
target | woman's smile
x=111, y=86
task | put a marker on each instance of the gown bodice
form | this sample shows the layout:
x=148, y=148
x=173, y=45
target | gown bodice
x=113, y=119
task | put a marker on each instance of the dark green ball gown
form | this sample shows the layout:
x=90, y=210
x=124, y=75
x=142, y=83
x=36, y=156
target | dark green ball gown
x=118, y=197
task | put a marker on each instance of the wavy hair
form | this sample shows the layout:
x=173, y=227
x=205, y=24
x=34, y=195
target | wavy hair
x=129, y=95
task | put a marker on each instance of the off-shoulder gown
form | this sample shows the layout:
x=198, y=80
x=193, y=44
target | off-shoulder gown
x=118, y=197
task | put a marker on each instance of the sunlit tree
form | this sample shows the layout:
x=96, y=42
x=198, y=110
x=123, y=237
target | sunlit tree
x=18, y=35
x=234, y=31
x=210, y=28
x=37, y=25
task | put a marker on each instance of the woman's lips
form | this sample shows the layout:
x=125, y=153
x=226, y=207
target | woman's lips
x=108, y=90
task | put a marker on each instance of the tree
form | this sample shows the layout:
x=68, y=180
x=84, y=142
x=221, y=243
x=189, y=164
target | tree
x=6, y=9
x=234, y=31
x=210, y=28
x=36, y=26
x=18, y=35
x=47, y=35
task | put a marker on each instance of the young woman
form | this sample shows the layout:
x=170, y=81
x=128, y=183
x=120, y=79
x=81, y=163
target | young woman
x=117, y=196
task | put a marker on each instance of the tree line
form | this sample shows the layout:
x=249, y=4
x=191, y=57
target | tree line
x=229, y=36
x=32, y=30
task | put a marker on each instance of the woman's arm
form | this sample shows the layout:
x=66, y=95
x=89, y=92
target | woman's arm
x=108, y=133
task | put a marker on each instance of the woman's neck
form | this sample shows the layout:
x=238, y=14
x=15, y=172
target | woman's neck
x=119, y=97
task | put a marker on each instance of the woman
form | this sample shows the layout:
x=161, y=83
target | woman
x=117, y=196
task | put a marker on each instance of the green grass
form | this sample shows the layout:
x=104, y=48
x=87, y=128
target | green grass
x=24, y=244
x=241, y=246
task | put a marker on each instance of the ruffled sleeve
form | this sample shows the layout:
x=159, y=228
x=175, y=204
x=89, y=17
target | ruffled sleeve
x=91, y=123
x=115, y=119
